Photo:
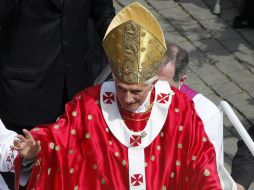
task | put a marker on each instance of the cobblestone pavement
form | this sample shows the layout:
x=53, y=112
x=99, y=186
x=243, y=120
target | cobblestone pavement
x=221, y=58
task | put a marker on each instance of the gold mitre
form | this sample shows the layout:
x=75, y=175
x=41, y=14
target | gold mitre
x=134, y=44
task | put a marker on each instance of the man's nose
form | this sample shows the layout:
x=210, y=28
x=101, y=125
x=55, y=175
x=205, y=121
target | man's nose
x=128, y=98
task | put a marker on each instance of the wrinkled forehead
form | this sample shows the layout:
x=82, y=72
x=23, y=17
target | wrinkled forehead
x=130, y=87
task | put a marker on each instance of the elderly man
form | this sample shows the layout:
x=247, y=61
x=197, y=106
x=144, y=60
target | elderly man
x=131, y=133
x=173, y=69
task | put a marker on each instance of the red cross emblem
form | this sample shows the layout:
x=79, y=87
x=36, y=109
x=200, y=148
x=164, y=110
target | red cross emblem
x=108, y=97
x=135, y=140
x=162, y=98
x=137, y=179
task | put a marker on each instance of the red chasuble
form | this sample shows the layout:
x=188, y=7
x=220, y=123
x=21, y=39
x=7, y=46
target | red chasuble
x=95, y=146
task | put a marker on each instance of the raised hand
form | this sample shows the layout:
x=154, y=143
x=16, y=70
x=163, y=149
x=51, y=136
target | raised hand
x=26, y=145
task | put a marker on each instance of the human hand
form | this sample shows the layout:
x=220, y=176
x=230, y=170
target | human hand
x=240, y=187
x=26, y=145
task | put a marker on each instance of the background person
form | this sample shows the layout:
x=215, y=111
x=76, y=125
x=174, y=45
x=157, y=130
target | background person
x=44, y=56
x=173, y=70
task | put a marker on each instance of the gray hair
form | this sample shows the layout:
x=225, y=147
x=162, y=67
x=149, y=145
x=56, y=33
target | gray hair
x=178, y=56
x=149, y=82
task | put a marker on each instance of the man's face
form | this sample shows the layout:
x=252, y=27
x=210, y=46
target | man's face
x=131, y=96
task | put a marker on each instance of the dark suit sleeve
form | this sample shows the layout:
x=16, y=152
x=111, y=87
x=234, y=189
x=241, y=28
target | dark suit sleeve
x=243, y=163
x=102, y=13
x=7, y=7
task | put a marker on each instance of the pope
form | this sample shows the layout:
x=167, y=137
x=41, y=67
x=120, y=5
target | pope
x=131, y=133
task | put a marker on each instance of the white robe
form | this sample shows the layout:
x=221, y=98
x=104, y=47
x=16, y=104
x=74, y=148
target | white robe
x=212, y=119
x=7, y=156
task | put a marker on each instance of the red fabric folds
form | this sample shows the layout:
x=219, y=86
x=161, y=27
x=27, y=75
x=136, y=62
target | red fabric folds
x=79, y=151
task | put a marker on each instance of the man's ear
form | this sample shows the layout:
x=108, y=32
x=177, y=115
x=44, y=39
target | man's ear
x=183, y=79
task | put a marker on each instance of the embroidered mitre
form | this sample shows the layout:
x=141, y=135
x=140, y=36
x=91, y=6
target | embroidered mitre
x=134, y=44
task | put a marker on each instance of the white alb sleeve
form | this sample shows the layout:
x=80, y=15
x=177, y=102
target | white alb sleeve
x=7, y=156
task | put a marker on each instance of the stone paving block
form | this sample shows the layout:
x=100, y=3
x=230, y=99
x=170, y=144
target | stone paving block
x=214, y=98
x=230, y=23
x=208, y=44
x=205, y=69
x=248, y=34
x=199, y=60
x=246, y=60
x=226, y=34
x=234, y=133
x=236, y=44
x=202, y=88
x=198, y=12
x=241, y=76
x=235, y=2
x=252, y=43
x=220, y=55
x=192, y=79
x=174, y=37
x=199, y=3
x=248, y=111
x=214, y=24
x=197, y=57
x=229, y=14
x=206, y=91
x=224, y=4
x=229, y=66
x=227, y=132
x=176, y=13
x=247, y=86
x=227, y=162
x=230, y=146
x=117, y=6
x=227, y=4
x=184, y=24
x=193, y=4
x=166, y=25
x=156, y=15
x=213, y=78
x=251, y=186
x=252, y=121
x=198, y=63
x=247, y=50
x=209, y=3
x=162, y=4
x=187, y=46
x=226, y=89
x=127, y=2
x=240, y=99
x=196, y=34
